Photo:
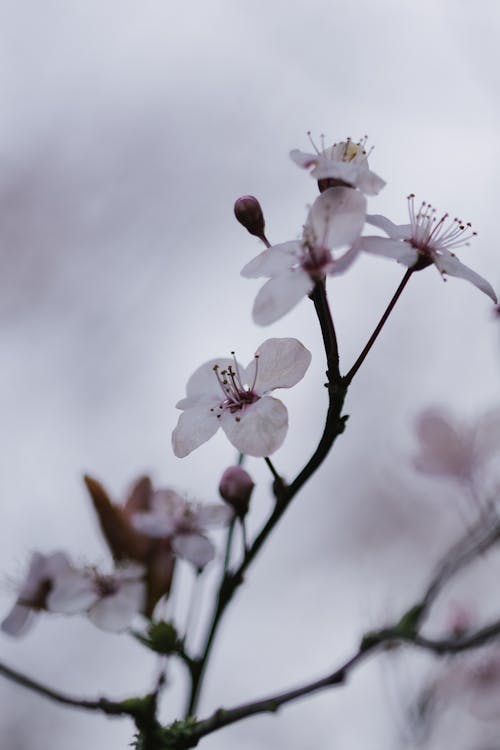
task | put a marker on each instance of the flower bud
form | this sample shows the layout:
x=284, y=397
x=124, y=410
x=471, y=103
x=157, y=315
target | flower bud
x=249, y=213
x=235, y=488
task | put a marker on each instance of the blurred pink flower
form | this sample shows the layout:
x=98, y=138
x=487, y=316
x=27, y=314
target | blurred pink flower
x=452, y=449
x=426, y=240
x=183, y=523
x=344, y=163
x=335, y=219
x=42, y=575
x=110, y=600
x=220, y=393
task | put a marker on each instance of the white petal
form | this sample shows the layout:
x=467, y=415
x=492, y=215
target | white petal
x=72, y=593
x=335, y=169
x=342, y=263
x=203, y=382
x=18, y=621
x=449, y=263
x=280, y=294
x=337, y=216
x=370, y=183
x=194, y=547
x=394, y=231
x=397, y=249
x=302, y=159
x=281, y=364
x=155, y=525
x=195, y=427
x=273, y=261
x=262, y=427
x=116, y=611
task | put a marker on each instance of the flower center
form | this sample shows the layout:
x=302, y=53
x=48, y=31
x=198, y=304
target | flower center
x=430, y=234
x=237, y=395
x=105, y=585
x=316, y=259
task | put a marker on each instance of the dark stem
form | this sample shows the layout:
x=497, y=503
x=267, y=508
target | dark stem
x=320, y=300
x=352, y=372
x=101, y=704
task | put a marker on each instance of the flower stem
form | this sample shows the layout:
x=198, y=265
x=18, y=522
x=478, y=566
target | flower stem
x=352, y=372
x=320, y=300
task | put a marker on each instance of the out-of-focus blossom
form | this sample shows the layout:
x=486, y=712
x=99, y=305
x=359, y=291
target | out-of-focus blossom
x=235, y=488
x=40, y=580
x=453, y=449
x=183, y=523
x=127, y=543
x=344, y=164
x=220, y=393
x=335, y=220
x=110, y=600
x=426, y=240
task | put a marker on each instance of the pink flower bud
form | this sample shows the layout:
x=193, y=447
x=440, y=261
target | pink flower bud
x=249, y=213
x=235, y=488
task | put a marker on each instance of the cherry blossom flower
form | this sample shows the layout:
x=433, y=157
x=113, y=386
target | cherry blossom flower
x=343, y=164
x=183, y=523
x=221, y=393
x=127, y=544
x=335, y=219
x=110, y=600
x=425, y=240
x=453, y=449
x=42, y=574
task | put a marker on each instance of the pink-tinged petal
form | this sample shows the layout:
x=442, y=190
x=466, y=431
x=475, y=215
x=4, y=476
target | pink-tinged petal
x=207, y=516
x=445, y=450
x=273, y=261
x=281, y=363
x=487, y=434
x=114, y=613
x=303, y=159
x=400, y=251
x=154, y=525
x=195, y=427
x=72, y=593
x=195, y=548
x=337, y=216
x=449, y=264
x=18, y=621
x=370, y=183
x=203, y=385
x=342, y=263
x=261, y=428
x=280, y=294
x=394, y=231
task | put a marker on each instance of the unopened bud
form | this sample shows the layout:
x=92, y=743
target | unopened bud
x=249, y=213
x=235, y=488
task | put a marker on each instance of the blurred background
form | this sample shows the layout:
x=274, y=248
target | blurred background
x=127, y=131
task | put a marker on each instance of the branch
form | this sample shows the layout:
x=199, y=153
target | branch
x=111, y=708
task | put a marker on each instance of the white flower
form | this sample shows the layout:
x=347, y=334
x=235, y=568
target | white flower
x=42, y=573
x=344, y=163
x=425, y=240
x=450, y=448
x=183, y=523
x=220, y=393
x=109, y=600
x=335, y=219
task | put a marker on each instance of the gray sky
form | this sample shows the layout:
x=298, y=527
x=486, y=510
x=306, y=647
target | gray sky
x=127, y=131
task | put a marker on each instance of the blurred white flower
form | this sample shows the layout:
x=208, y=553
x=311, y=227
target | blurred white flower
x=344, y=163
x=220, y=393
x=424, y=241
x=335, y=219
x=41, y=577
x=183, y=523
x=454, y=449
x=110, y=600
